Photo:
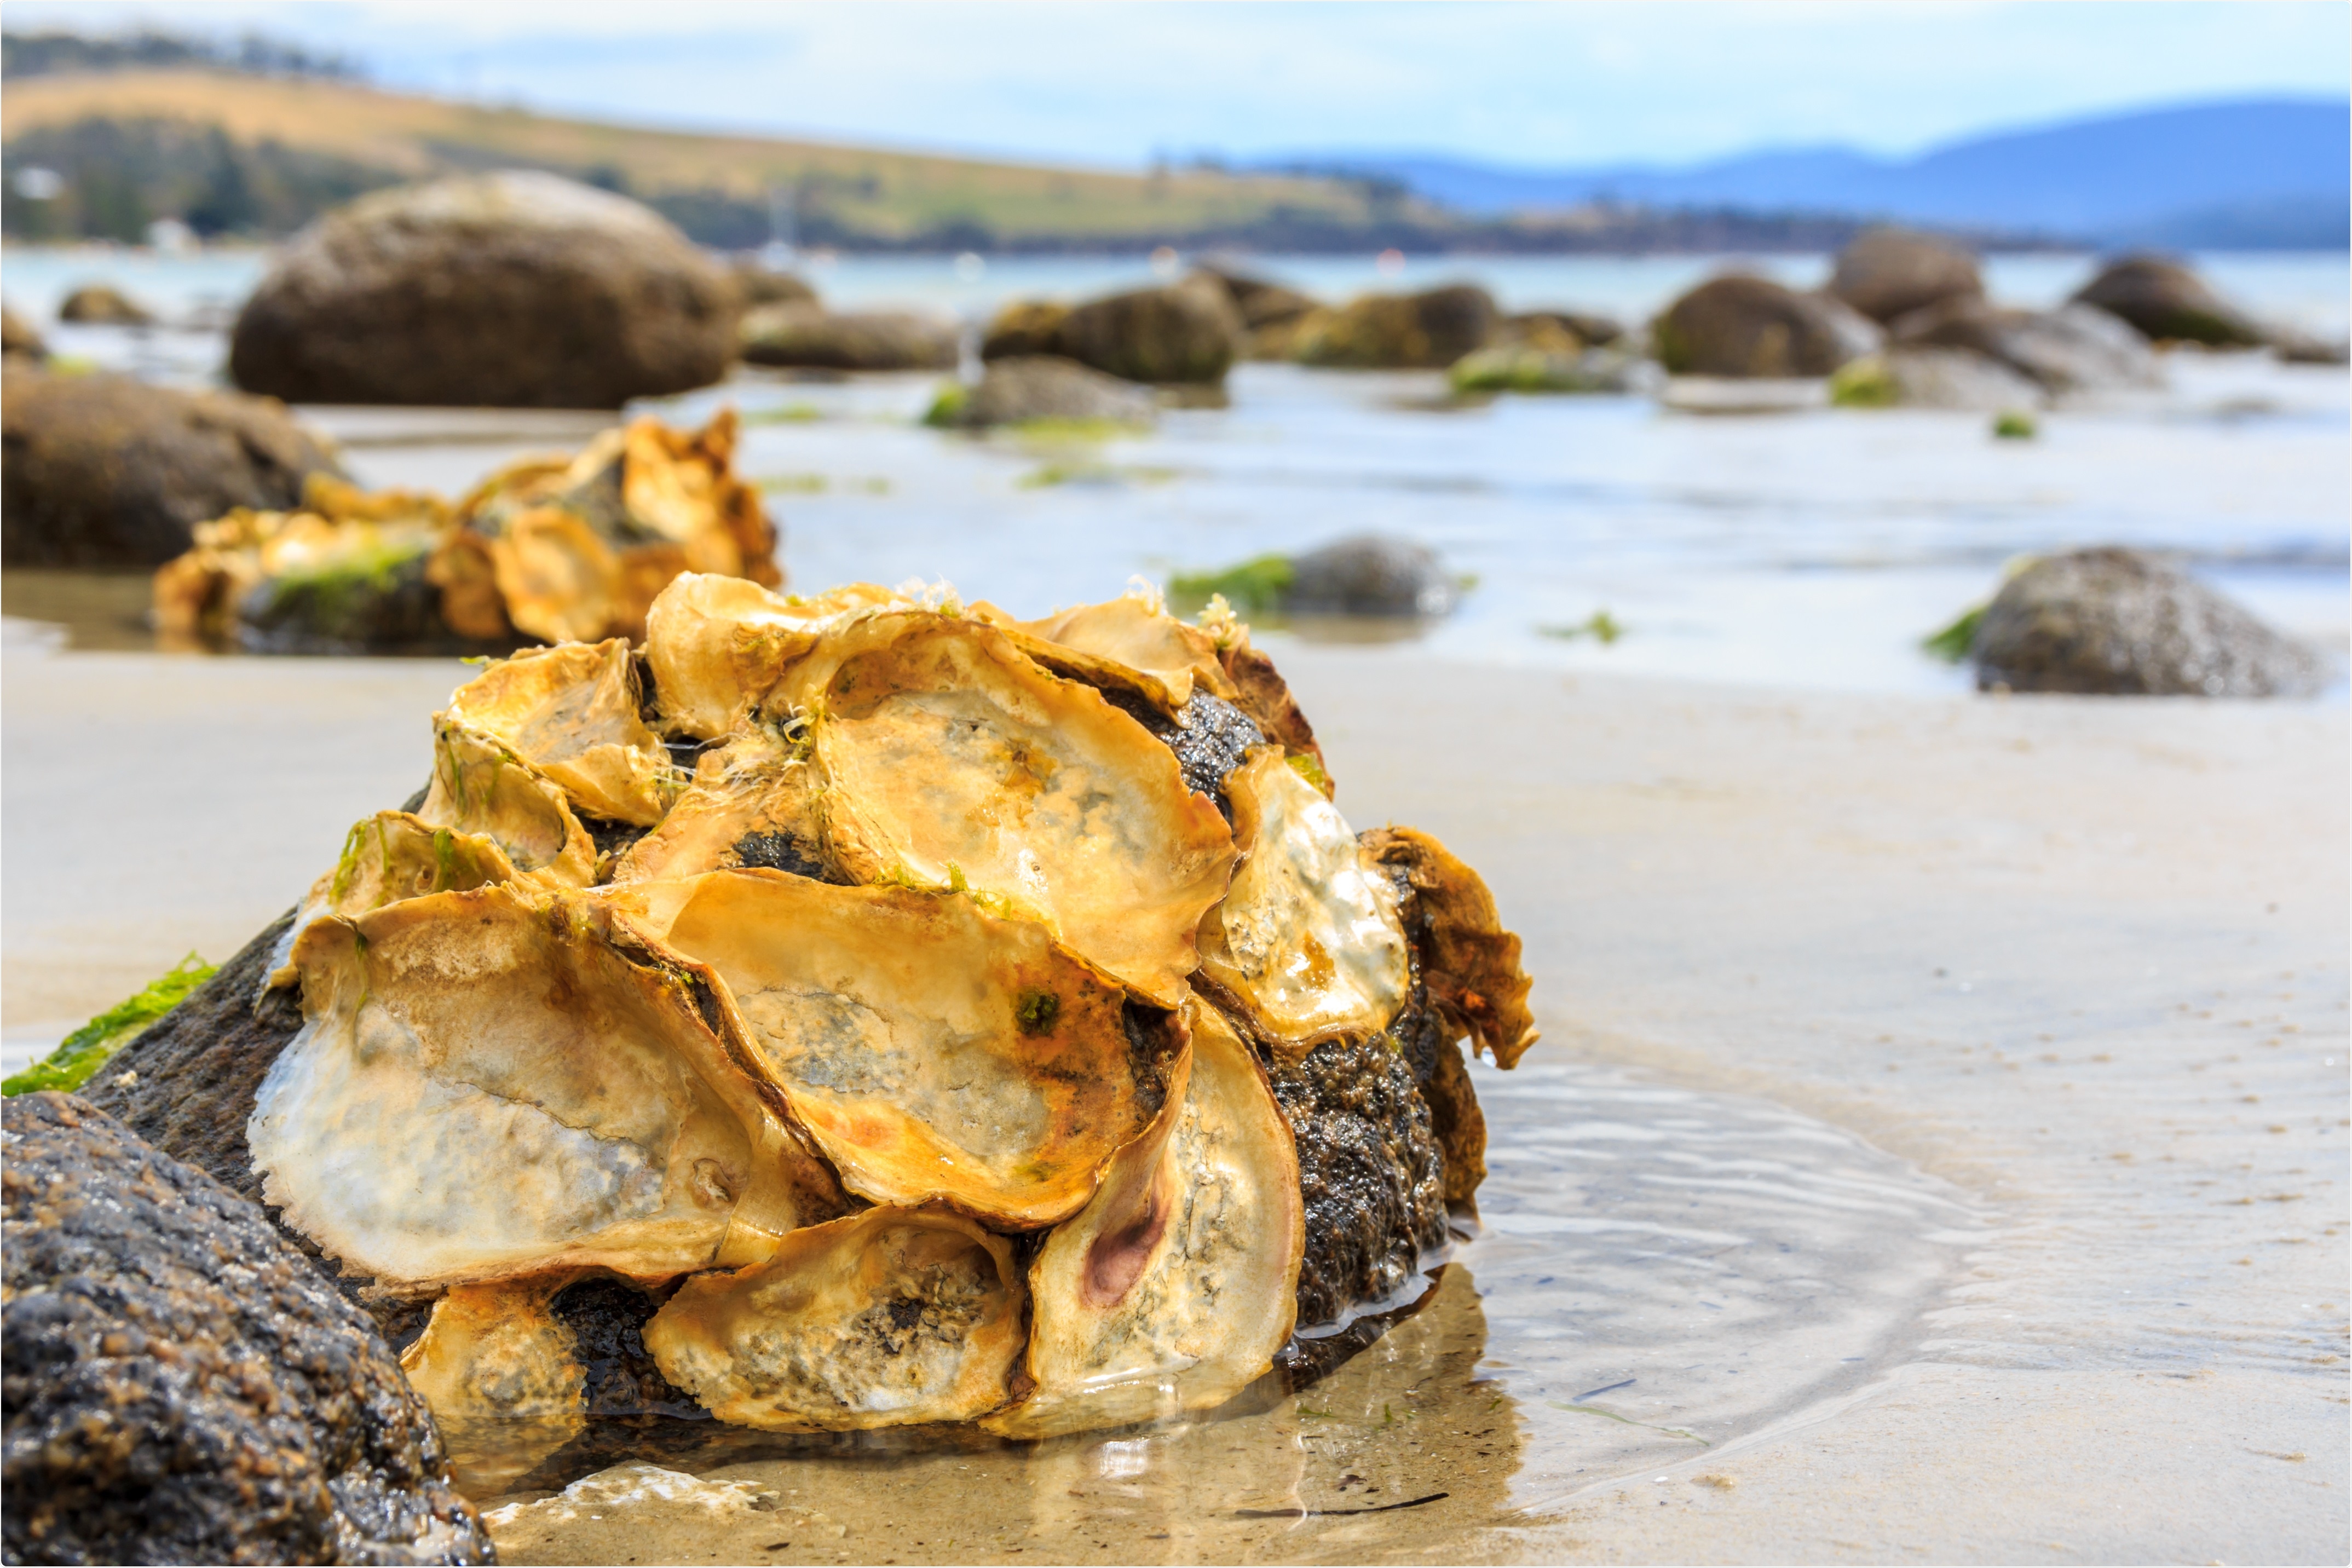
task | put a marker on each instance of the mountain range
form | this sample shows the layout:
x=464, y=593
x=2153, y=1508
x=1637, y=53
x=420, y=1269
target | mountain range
x=2266, y=172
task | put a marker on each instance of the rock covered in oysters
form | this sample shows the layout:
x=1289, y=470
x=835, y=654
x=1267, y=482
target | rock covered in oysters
x=921, y=1013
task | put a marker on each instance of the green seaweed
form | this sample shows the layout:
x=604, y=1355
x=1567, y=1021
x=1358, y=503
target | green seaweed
x=1064, y=430
x=1600, y=626
x=1254, y=587
x=787, y=413
x=1864, y=383
x=1037, y=1011
x=947, y=407
x=342, y=597
x=1055, y=474
x=1303, y=764
x=1953, y=643
x=2014, y=425
x=795, y=484
x=84, y=1051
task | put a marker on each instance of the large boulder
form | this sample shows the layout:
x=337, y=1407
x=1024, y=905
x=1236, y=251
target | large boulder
x=2074, y=349
x=1029, y=388
x=1188, y=332
x=1371, y=574
x=810, y=337
x=1890, y=273
x=104, y=305
x=1589, y=328
x=1739, y=325
x=2113, y=622
x=19, y=338
x=1026, y=327
x=512, y=289
x=1428, y=331
x=1914, y=377
x=1271, y=313
x=2169, y=303
x=183, y=1385
x=757, y=283
x=101, y=470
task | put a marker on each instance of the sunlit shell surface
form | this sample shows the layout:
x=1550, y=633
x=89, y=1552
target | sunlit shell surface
x=495, y=1082
x=1172, y=1291
x=1306, y=942
x=947, y=758
x=937, y=1052
x=886, y=1317
x=897, y=904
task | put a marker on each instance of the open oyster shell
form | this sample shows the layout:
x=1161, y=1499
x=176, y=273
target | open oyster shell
x=752, y=804
x=1470, y=964
x=936, y=1052
x=481, y=786
x=572, y=711
x=884, y=1318
x=499, y=1082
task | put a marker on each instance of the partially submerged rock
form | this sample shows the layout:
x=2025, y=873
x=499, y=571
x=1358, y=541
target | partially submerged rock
x=1908, y=376
x=1371, y=574
x=1271, y=314
x=19, y=338
x=1740, y=325
x=1427, y=331
x=509, y=289
x=102, y=470
x=2166, y=302
x=1025, y=388
x=807, y=336
x=184, y=1386
x=2073, y=350
x=1526, y=369
x=1890, y=273
x=2112, y=622
x=102, y=304
x=1186, y=332
x=757, y=283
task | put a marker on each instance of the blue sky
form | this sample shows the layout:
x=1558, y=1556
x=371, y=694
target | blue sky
x=1530, y=83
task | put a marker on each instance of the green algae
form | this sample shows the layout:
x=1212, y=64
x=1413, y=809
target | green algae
x=88, y=1048
x=1255, y=586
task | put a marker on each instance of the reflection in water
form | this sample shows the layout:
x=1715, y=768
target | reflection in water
x=1660, y=1270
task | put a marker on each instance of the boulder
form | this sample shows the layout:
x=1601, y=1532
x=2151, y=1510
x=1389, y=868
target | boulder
x=1260, y=304
x=1891, y=272
x=810, y=337
x=19, y=337
x=1369, y=575
x=513, y=289
x=2113, y=622
x=102, y=470
x=1586, y=327
x=2169, y=303
x=2295, y=347
x=757, y=284
x=2074, y=349
x=183, y=1385
x=1522, y=368
x=1739, y=325
x=102, y=304
x=1428, y=331
x=1188, y=332
x=1041, y=387
x=1024, y=326
x=1914, y=377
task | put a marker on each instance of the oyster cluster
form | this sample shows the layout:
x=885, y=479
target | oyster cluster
x=885, y=1011
x=566, y=548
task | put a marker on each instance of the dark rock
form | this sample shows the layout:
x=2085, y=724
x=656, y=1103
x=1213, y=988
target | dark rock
x=511, y=289
x=19, y=338
x=183, y=1386
x=1369, y=575
x=756, y=284
x=1040, y=386
x=1211, y=738
x=378, y=603
x=2304, y=348
x=2074, y=349
x=1400, y=332
x=1024, y=328
x=102, y=304
x=2112, y=622
x=2167, y=302
x=1588, y=328
x=1743, y=326
x=1891, y=272
x=810, y=337
x=101, y=470
x=1265, y=699
x=1262, y=304
x=1185, y=333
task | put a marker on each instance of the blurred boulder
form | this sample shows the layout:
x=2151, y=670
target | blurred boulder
x=2169, y=303
x=1024, y=326
x=19, y=338
x=2303, y=348
x=1371, y=574
x=102, y=470
x=510, y=289
x=1428, y=331
x=757, y=284
x=1028, y=387
x=1189, y=331
x=1890, y=273
x=1520, y=367
x=810, y=337
x=185, y=1386
x=1588, y=328
x=1908, y=375
x=2074, y=349
x=1739, y=325
x=2112, y=622
x=1271, y=313
x=102, y=304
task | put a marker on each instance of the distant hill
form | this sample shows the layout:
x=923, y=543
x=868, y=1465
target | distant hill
x=2270, y=172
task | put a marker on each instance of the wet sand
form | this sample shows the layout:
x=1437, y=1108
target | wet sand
x=2055, y=990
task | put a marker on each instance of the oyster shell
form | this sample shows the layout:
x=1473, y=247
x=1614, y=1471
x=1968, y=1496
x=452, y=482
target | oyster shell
x=716, y=645
x=884, y=1318
x=1306, y=944
x=1174, y=1288
x=1468, y=961
x=572, y=713
x=496, y=1356
x=936, y=1052
x=753, y=803
x=1135, y=631
x=480, y=787
x=497, y=1083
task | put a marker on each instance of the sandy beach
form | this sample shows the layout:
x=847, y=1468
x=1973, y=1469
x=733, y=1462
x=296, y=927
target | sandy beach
x=2054, y=991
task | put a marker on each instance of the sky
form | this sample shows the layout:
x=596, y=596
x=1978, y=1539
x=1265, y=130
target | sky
x=1118, y=84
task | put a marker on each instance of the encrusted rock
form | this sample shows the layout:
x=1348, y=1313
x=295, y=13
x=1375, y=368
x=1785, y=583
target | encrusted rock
x=102, y=470
x=2167, y=302
x=183, y=1386
x=807, y=336
x=1045, y=386
x=2074, y=349
x=1428, y=331
x=1745, y=326
x=510, y=289
x=102, y=304
x=1891, y=272
x=2117, y=623
x=1185, y=333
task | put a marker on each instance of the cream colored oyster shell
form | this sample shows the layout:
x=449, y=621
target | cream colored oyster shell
x=1138, y=632
x=1306, y=944
x=500, y=1374
x=752, y=803
x=481, y=786
x=716, y=645
x=494, y=1083
x=572, y=713
x=935, y=1052
x=947, y=758
x=1174, y=1288
x=884, y=1318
